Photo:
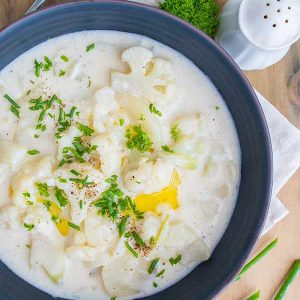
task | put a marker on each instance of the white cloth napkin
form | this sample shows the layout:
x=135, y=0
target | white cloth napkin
x=285, y=140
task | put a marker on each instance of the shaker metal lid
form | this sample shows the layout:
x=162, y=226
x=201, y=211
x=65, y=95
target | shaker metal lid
x=270, y=24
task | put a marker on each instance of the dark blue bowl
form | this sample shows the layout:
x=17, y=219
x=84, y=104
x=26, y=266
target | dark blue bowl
x=254, y=193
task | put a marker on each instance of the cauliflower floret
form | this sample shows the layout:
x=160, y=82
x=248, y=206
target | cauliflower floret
x=106, y=107
x=48, y=255
x=149, y=77
x=11, y=216
x=35, y=170
x=41, y=219
x=132, y=276
x=180, y=239
x=80, y=196
x=150, y=226
x=100, y=231
x=12, y=154
x=109, y=149
x=149, y=176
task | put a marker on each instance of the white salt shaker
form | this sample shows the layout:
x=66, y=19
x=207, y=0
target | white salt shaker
x=258, y=33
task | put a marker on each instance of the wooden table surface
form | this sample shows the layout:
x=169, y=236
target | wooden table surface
x=272, y=83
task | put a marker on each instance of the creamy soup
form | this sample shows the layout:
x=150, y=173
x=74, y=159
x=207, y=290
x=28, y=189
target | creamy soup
x=119, y=166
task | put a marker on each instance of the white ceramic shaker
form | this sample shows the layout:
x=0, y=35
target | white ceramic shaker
x=258, y=33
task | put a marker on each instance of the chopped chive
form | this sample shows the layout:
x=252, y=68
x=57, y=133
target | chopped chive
x=48, y=63
x=61, y=73
x=29, y=227
x=28, y=92
x=167, y=149
x=62, y=180
x=64, y=58
x=258, y=257
x=175, y=132
x=131, y=250
x=155, y=284
x=288, y=280
x=80, y=204
x=154, y=110
x=153, y=265
x=89, y=83
x=161, y=229
x=37, y=68
x=75, y=173
x=86, y=130
x=217, y=108
x=138, y=239
x=255, y=296
x=29, y=202
x=113, y=298
x=161, y=273
x=76, y=227
x=121, y=122
x=43, y=189
x=36, y=136
x=122, y=226
x=15, y=111
x=26, y=194
x=14, y=108
x=176, y=260
x=61, y=197
x=31, y=81
x=28, y=246
x=90, y=47
x=33, y=152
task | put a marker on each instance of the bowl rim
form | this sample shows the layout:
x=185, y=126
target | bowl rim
x=265, y=130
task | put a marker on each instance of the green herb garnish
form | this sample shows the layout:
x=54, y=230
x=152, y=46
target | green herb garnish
x=139, y=140
x=217, y=108
x=60, y=197
x=36, y=136
x=138, y=239
x=61, y=73
x=14, y=108
x=121, y=122
x=62, y=180
x=258, y=257
x=82, y=182
x=42, y=189
x=74, y=226
x=37, y=68
x=90, y=47
x=113, y=201
x=203, y=14
x=86, y=131
x=89, y=83
x=28, y=246
x=154, y=110
x=26, y=194
x=47, y=64
x=29, y=202
x=255, y=296
x=75, y=173
x=29, y=227
x=176, y=260
x=33, y=152
x=80, y=204
x=175, y=131
x=131, y=250
x=122, y=226
x=166, y=148
x=155, y=284
x=64, y=58
x=290, y=277
x=161, y=273
x=153, y=265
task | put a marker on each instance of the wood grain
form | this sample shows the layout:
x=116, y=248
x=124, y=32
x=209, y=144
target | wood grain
x=272, y=83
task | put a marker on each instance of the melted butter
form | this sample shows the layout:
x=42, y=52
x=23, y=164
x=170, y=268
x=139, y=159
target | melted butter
x=55, y=211
x=168, y=196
